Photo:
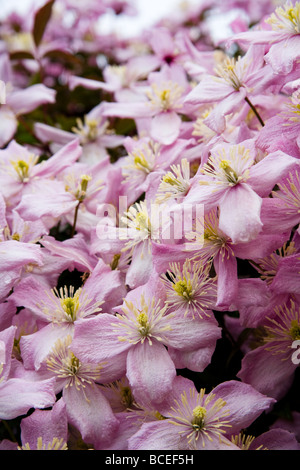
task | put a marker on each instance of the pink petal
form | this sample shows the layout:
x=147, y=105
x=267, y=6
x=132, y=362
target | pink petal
x=64, y=158
x=25, y=395
x=284, y=54
x=8, y=125
x=36, y=346
x=47, y=424
x=150, y=372
x=240, y=213
x=91, y=414
x=276, y=439
x=226, y=269
x=158, y=435
x=96, y=339
x=26, y=100
x=245, y=403
x=269, y=171
x=267, y=373
x=165, y=127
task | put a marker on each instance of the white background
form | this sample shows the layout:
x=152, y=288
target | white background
x=150, y=11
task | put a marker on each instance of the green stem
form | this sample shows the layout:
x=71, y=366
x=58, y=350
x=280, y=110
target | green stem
x=254, y=110
x=8, y=429
x=75, y=219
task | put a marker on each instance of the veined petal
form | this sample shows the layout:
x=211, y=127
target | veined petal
x=165, y=127
x=8, y=125
x=209, y=90
x=157, y=435
x=95, y=339
x=267, y=373
x=24, y=101
x=226, y=268
x=244, y=401
x=240, y=213
x=25, y=395
x=269, y=171
x=36, y=346
x=91, y=414
x=150, y=372
x=283, y=55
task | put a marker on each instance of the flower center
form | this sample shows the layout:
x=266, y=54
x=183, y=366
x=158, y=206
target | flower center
x=200, y=417
x=146, y=321
x=174, y=183
x=282, y=330
x=199, y=414
x=190, y=288
x=295, y=330
x=230, y=174
x=184, y=288
x=89, y=129
x=228, y=167
x=65, y=365
x=165, y=96
x=142, y=320
x=286, y=17
x=23, y=167
x=232, y=71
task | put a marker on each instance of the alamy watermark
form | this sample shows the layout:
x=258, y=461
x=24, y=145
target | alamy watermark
x=296, y=354
x=158, y=222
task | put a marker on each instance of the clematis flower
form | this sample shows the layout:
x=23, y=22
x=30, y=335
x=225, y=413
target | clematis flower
x=234, y=83
x=162, y=104
x=93, y=131
x=27, y=393
x=203, y=421
x=139, y=333
x=281, y=132
x=236, y=185
x=45, y=429
x=207, y=245
x=282, y=38
x=269, y=367
x=17, y=101
x=87, y=408
x=58, y=309
x=22, y=173
x=124, y=82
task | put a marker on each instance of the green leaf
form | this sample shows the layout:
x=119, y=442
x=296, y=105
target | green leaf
x=41, y=19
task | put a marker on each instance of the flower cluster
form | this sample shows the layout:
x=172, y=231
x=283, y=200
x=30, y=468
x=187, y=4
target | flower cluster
x=149, y=229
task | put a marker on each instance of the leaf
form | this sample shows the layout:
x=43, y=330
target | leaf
x=41, y=19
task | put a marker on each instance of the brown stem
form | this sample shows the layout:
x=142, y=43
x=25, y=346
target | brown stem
x=254, y=110
x=75, y=219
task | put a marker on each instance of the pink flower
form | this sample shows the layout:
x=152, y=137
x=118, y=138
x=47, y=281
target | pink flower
x=58, y=309
x=200, y=421
x=269, y=368
x=138, y=335
x=162, y=104
x=231, y=181
x=235, y=81
x=27, y=393
x=18, y=101
x=87, y=408
x=46, y=429
x=282, y=38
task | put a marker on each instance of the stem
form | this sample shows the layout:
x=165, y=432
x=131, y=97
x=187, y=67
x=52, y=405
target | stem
x=254, y=110
x=75, y=219
x=8, y=429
